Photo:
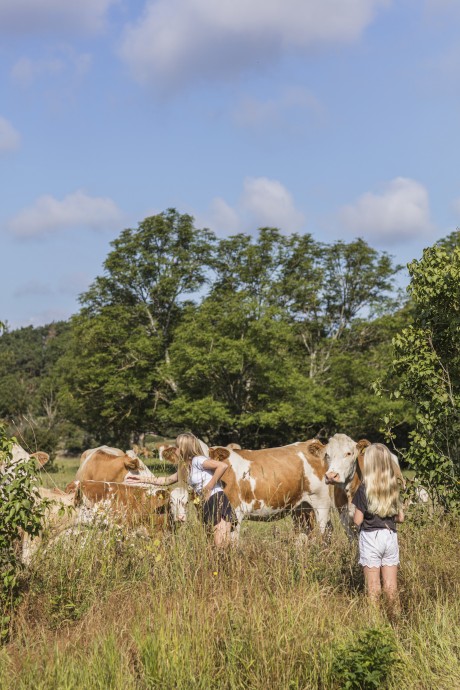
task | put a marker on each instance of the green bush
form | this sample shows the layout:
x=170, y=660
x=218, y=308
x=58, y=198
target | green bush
x=19, y=511
x=366, y=662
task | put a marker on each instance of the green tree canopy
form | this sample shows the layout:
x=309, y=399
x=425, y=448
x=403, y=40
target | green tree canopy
x=427, y=362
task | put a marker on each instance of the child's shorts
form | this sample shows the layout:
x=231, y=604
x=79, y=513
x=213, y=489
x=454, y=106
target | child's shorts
x=377, y=548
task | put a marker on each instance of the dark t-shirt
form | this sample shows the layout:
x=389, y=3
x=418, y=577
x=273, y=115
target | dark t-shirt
x=371, y=521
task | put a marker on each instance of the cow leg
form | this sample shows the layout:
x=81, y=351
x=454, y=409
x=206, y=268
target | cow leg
x=322, y=517
x=235, y=533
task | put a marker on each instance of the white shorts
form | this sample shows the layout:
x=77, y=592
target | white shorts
x=377, y=548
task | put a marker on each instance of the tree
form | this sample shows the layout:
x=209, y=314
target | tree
x=237, y=376
x=121, y=337
x=29, y=385
x=427, y=360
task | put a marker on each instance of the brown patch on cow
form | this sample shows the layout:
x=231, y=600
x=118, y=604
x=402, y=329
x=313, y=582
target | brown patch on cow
x=42, y=458
x=340, y=497
x=362, y=445
x=219, y=453
x=231, y=488
x=246, y=491
x=132, y=463
x=315, y=456
x=102, y=466
x=257, y=505
x=132, y=504
x=170, y=455
x=316, y=448
x=354, y=485
x=279, y=476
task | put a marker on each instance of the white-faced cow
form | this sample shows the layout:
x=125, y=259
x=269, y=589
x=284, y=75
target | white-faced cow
x=345, y=459
x=271, y=483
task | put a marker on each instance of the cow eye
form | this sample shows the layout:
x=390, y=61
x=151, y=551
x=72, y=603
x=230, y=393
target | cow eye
x=349, y=452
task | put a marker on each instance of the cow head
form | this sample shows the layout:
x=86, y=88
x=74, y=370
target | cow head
x=178, y=504
x=341, y=456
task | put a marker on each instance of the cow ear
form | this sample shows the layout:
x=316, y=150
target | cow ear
x=316, y=448
x=42, y=458
x=219, y=453
x=170, y=455
x=131, y=463
x=362, y=445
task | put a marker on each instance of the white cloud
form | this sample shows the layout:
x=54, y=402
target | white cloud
x=10, y=138
x=268, y=202
x=255, y=113
x=178, y=40
x=223, y=218
x=49, y=16
x=400, y=212
x=49, y=215
x=263, y=202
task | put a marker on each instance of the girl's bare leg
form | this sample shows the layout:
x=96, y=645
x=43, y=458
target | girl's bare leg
x=373, y=586
x=222, y=534
x=390, y=588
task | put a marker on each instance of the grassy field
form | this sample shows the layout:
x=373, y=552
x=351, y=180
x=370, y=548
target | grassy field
x=115, y=611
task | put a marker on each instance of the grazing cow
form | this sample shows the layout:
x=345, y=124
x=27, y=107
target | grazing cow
x=271, y=483
x=110, y=464
x=134, y=505
x=345, y=459
x=108, y=467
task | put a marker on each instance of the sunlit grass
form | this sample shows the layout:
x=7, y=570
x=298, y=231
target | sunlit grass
x=107, y=609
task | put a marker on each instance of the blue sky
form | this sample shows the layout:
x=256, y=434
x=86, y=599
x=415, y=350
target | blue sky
x=335, y=117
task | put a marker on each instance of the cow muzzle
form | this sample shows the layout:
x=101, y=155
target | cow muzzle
x=332, y=478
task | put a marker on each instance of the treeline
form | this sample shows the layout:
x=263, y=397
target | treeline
x=260, y=340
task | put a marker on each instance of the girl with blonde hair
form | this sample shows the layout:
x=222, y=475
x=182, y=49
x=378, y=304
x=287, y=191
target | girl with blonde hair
x=377, y=510
x=203, y=475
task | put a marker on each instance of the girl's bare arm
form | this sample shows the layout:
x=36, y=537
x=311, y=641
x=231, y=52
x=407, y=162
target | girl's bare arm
x=219, y=469
x=358, y=517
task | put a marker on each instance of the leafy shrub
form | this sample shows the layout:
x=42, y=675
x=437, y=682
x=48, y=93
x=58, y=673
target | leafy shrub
x=366, y=662
x=19, y=511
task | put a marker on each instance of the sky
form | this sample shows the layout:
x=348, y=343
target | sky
x=339, y=118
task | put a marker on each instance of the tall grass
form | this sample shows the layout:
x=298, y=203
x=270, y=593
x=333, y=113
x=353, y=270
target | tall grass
x=109, y=610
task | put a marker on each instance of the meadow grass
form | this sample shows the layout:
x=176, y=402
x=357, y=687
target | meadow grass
x=106, y=609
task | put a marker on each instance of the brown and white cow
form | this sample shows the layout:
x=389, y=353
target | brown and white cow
x=130, y=505
x=345, y=459
x=273, y=482
x=18, y=455
x=107, y=467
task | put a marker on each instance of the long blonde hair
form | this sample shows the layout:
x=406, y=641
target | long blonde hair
x=188, y=446
x=379, y=475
